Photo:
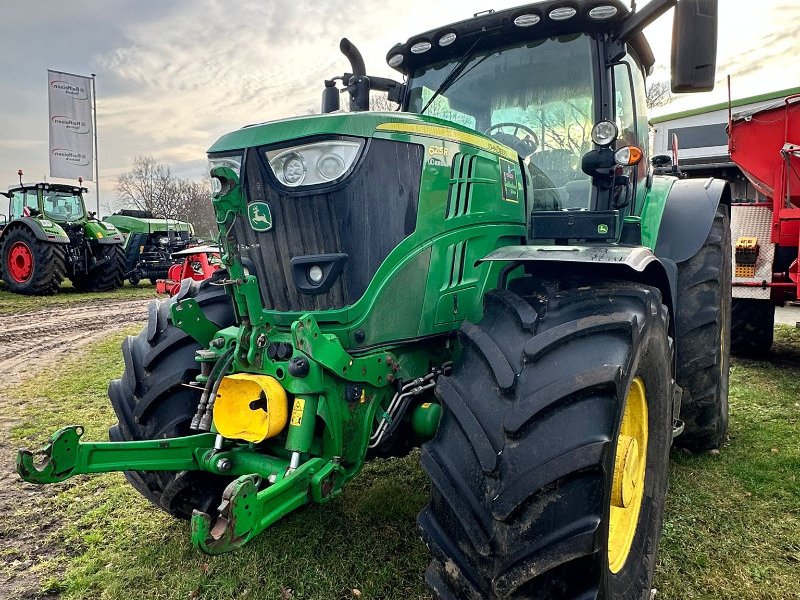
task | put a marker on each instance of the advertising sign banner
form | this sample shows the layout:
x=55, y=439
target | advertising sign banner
x=70, y=125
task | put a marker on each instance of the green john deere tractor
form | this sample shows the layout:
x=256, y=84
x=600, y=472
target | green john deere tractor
x=492, y=272
x=50, y=236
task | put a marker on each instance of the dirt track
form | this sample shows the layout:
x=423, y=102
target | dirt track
x=41, y=338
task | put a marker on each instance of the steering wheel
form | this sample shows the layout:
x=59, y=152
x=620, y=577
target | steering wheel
x=525, y=146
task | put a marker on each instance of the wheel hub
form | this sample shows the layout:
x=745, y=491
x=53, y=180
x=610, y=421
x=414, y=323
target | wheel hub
x=20, y=262
x=625, y=470
x=627, y=488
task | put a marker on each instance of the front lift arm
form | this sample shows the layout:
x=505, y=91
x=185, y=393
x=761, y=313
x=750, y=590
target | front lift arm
x=264, y=491
x=65, y=456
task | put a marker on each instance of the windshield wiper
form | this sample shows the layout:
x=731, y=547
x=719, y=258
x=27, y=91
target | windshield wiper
x=453, y=75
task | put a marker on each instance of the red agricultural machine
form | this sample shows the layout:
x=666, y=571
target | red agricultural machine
x=197, y=263
x=765, y=144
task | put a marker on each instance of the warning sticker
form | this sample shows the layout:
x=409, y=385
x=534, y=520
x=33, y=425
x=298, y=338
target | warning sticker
x=508, y=173
x=297, y=412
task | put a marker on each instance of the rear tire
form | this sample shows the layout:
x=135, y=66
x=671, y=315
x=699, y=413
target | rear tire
x=106, y=277
x=151, y=402
x=523, y=461
x=38, y=268
x=703, y=331
x=753, y=327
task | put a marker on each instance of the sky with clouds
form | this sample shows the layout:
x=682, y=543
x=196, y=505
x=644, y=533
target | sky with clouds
x=173, y=76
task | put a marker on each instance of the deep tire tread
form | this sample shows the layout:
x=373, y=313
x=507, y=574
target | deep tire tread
x=702, y=320
x=49, y=263
x=504, y=459
x=152, y=402
x=109, y=275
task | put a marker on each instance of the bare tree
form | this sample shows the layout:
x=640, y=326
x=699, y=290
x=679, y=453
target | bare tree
x=659, y=93
x=194, y=201
x=147, y=186
x=150, y=185
x=379, y=101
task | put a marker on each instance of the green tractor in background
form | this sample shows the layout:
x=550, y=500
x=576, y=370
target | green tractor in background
x=49, y=235
x=150, y=243
x=492, y=272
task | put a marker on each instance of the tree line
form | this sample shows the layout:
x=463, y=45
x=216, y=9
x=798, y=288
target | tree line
x=150, y=185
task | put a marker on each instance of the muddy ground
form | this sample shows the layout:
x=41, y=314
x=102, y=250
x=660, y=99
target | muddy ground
x=29, y=342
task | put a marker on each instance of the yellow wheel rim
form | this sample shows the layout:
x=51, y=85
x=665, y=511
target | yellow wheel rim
x=629, y=468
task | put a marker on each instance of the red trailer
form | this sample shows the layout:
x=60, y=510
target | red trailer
x=765, y=144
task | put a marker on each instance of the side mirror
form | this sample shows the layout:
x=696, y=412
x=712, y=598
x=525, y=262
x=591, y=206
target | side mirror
x=694, y=46
x=662, y=161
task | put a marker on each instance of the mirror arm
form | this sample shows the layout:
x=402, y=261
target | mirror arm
x=641, y=19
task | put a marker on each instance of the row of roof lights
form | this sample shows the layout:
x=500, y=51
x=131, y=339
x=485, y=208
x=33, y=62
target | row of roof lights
x=599, y=13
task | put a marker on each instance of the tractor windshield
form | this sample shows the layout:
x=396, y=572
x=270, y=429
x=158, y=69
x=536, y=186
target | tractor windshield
x=536, y=97
x=63, y=206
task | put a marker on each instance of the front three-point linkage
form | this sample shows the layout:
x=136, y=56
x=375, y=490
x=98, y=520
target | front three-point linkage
x=252, y=503
x=265, y=489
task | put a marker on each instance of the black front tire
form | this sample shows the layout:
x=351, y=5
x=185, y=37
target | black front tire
x=703, y=332
x=151, y=401
x=48, y=263
x=522, y=464
x=107, y=276
x=753, y=327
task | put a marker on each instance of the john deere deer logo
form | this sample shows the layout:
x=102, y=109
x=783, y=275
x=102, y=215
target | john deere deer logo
x=260, y=217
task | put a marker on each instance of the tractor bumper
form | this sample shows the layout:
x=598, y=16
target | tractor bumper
x=265, y=488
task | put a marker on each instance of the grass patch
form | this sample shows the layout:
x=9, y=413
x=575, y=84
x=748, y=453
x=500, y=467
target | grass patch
x=13, y=303
x=731, y=530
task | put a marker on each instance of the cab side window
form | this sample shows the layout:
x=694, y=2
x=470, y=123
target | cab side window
x=21, y=200
x=624, y=105
x=17, y=198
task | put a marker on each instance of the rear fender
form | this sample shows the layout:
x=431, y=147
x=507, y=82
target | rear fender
x=636, y=263
x=43, y=229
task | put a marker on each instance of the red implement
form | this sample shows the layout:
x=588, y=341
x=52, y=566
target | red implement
x=765, y=144
x=198, y=263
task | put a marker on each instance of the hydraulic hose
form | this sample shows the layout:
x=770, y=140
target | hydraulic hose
x=205, y=421
x=212, y=378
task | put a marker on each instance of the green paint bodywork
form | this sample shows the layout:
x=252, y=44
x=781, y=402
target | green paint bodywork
x=127, y=225
x=653, y=209
x=397, y=331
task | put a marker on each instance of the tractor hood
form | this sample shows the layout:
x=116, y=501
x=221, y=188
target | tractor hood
x=298, y=218
x=360, y=124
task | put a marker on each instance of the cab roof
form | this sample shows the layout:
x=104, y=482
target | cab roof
x=495, y=29
x=55, y=187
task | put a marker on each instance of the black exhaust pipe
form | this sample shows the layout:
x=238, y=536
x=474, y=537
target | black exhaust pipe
x=354, y=56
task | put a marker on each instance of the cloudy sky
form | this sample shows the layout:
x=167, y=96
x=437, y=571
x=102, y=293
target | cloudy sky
x=173, y=76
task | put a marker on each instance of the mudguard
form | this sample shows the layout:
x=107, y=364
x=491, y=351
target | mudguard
x=635, y=263
x=688, y=215
x=43, y=229
x=102, y=232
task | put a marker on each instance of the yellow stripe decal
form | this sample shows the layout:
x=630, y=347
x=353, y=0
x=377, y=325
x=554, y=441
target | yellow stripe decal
x=453, y=135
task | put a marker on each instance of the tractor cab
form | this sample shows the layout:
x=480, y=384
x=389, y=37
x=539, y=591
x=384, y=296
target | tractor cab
x=539, y=98
x=562, y=84
x=54, y=202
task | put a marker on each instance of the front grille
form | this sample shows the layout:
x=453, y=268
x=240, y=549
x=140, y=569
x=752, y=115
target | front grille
x=365, y=218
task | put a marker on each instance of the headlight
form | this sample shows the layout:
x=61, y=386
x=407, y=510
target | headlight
x=232, y=162
x=315, y=163
x=604, y=133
